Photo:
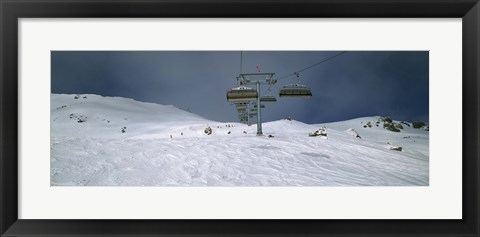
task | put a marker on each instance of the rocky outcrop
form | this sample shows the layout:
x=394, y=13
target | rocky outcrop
x=418, y=124
x=389, y=124
x=390, y=127
x=322, y=132
x=208, y=131
x=396, y=148
x=354, y=132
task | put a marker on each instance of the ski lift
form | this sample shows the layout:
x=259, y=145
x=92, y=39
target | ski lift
x=241, y=93
x=241, y=110
x=296, y=90
x=241, y=106
x=268, y=98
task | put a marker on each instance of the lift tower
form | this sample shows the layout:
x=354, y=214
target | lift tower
x=257, y=79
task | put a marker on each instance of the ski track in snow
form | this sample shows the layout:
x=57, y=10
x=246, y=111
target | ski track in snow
x=96, y=153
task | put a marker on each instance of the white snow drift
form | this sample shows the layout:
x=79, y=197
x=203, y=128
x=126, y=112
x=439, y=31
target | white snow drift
x=112, y=141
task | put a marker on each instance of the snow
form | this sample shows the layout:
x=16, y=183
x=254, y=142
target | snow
x=165, y=146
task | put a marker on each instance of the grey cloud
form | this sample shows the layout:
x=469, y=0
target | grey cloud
x=352, y=85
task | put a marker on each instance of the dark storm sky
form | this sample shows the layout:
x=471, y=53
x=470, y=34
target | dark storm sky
x=354, y=84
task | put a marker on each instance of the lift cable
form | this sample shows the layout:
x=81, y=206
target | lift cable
x=313, y=65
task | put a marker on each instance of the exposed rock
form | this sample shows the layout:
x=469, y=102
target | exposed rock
x=418, y=124
x=79, y=118
x=354, y=133
x=387, y=119
x=391, y=127
x=208, y=131
x=320, y=132
x=396, y=148
x=270, y=136
x=399, y=126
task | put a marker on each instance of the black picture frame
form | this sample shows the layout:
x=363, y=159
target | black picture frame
x=11, y=11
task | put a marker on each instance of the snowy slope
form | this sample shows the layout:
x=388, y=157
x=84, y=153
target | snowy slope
x=166, y=146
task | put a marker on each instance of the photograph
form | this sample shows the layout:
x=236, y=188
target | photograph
x=229, y=118
x=239, y=118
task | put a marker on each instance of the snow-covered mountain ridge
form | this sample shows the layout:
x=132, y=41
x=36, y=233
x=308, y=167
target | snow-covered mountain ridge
x=116, y=141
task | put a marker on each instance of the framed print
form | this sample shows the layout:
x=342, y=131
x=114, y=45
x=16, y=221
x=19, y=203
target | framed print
x=253, y=143
x=239, y=118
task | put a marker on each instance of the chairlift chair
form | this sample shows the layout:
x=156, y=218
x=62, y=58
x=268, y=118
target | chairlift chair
x=241, y=93
x=241, y=106
x=268, y=99
x=295, y=91
x=241, y=110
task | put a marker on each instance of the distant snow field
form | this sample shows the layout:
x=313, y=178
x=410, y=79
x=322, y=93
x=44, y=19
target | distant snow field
x=113, y=141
